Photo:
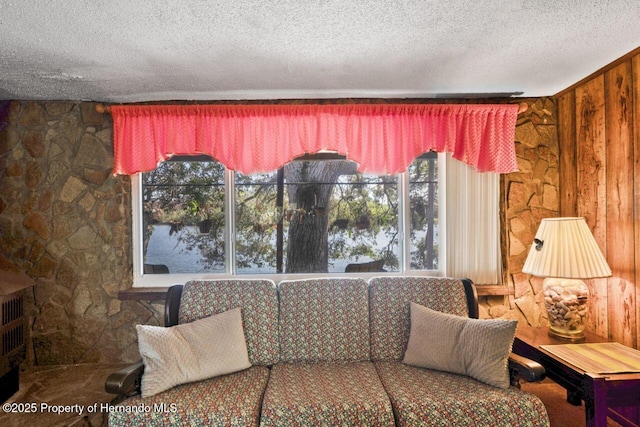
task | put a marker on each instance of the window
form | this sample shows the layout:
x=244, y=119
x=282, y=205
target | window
x=193, y=218
x=183, y=218
x=463, y=243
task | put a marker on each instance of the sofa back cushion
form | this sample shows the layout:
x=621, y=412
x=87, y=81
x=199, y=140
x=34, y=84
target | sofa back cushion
x=258, y=300
x=390, y=301
x=324, y=320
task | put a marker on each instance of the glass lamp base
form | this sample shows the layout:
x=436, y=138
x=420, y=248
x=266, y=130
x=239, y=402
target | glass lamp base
x=566, y=303
x=578, y=337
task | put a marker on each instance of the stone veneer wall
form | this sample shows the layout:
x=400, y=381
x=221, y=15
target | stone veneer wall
x=528, y=196
x=66, y=221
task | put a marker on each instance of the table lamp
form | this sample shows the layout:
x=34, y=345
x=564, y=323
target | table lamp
x=564, y=251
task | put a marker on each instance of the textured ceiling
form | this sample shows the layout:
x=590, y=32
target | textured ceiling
x=127, y=51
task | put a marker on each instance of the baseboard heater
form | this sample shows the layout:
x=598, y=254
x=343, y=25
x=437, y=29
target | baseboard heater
x=13, y=284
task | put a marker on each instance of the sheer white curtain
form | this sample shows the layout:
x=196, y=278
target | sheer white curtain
x=472, y=225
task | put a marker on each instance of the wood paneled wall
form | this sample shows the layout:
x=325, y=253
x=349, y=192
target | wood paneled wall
x=599, y=143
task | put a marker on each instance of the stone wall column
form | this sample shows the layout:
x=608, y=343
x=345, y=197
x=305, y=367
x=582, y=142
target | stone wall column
x=527, y=196
x=67, y=223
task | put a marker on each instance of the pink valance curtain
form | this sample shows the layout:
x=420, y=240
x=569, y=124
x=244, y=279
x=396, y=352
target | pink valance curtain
x=381, y=138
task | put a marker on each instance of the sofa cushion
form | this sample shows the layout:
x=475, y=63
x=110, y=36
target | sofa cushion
x=433, y=398
x=474, y=347
x=258, y=300
x=328, y=394
x=233, y=399
x=390, y=299
x=191, y=351
x=324, y=320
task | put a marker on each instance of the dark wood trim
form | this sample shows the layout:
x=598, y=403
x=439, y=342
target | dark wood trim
x=125, y=381
x=172, y=305
x=494, y=290
x=472, y=298
x=602, y=70
x=149, y=294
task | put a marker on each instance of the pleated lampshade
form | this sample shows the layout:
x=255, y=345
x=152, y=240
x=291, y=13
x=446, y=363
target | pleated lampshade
x=565, y=247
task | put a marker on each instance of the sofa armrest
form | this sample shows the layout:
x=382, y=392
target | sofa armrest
x=125, y=381
x=523, y=368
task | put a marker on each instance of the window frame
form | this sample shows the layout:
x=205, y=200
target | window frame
x=142, y=280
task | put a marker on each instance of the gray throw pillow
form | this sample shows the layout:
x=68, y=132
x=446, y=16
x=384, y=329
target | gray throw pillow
x=477, y=348
x=192, y=351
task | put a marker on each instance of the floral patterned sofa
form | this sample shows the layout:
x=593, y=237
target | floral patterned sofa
x=329, y=352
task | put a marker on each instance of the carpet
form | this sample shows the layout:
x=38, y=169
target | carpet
x=561, y=413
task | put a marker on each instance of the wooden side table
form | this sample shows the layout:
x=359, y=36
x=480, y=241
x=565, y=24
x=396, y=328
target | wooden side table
x=615, y=395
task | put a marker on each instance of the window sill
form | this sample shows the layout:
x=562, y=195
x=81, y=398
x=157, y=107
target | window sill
x=159, y=293
x=145, y=294
x=493, y=290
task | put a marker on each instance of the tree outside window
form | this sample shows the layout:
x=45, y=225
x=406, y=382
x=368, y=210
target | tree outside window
x=312, y=216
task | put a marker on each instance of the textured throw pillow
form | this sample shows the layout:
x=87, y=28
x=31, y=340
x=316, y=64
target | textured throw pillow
x=192, y=351
x=473, y=347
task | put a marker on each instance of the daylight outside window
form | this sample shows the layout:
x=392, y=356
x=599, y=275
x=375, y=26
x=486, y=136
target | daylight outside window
x=184, y=218
x=312, y=216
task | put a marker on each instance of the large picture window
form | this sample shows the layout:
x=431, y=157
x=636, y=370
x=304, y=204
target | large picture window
x=315, y=215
